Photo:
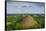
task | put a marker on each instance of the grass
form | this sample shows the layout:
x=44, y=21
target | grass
x=14, y=22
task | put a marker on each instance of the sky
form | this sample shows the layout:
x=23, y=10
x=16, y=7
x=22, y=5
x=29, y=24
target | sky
x=25, y=8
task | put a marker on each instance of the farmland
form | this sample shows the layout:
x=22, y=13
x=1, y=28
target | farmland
x=25, y=21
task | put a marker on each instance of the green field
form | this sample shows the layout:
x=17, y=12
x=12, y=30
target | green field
x=19, y=22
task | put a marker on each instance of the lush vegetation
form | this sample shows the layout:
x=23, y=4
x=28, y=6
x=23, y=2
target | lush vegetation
x=14, y=22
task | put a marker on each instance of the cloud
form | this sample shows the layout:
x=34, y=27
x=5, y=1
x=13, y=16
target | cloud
x=36, y=8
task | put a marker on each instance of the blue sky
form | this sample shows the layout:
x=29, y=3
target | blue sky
x=26, y=8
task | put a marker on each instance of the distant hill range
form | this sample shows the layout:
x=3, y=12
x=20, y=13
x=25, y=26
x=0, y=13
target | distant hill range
x=24, y=14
